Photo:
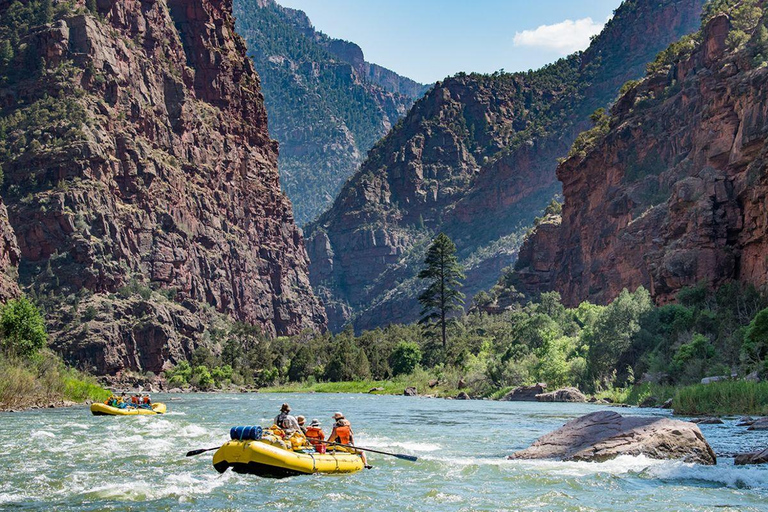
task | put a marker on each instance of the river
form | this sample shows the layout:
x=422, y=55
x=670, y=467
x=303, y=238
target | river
x=67, y=459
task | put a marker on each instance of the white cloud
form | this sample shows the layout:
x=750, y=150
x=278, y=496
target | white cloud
x=565, y=37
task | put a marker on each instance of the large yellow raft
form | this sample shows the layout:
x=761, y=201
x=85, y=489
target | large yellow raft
x=268, y=458
x=101, y=409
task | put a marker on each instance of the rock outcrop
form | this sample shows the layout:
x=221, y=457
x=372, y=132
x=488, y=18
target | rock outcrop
x=756, y=457
x=604, y=435
x=475, y=158
x=674, y=193
x=562, y=395
x=525, y=393
x=142, y=186
x=327, y=106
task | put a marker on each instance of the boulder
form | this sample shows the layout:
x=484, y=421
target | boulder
x=758, y=457
x=525, y=393
x=410, y=391
x=650, y=401
x=667, y=404
x=716, y=378
x=462, y=396
x=745, y=421
x=433, y=383
x=759, y=424
x=562, y=395
x=461, y=384
x=604, y=435
x=374, y=390
x=707, y=421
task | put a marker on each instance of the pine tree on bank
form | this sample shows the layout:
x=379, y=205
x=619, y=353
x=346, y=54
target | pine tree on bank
x=444, y=274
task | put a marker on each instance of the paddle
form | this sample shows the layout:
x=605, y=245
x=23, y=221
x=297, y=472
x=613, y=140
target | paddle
x=201, y=450
x=398, y=455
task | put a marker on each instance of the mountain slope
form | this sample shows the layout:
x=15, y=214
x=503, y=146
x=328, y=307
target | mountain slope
x=474, y=158
x=675, y=192
x=327, y=106
x=140, y=180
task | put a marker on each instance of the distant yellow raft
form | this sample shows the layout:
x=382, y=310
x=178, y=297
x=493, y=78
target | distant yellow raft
x=100, y=409
x=264, y=458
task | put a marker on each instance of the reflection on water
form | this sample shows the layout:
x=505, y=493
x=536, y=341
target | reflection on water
x=67, y=459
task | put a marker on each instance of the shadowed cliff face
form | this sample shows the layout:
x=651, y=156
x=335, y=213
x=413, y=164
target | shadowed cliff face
x=327, y=105
x=675, y=193
x=475, y=158
x=148, y=205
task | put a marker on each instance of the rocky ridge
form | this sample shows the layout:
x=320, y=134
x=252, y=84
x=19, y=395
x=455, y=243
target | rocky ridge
x=146, y=204
x=474, y=158
x=327, y=105
x=688, y=204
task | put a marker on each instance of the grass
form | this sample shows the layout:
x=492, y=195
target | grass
x=636, y=394
x=44, y=379
x=722, y=398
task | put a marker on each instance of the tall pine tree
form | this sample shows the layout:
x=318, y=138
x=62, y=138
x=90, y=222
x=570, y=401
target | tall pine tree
x=444, y=273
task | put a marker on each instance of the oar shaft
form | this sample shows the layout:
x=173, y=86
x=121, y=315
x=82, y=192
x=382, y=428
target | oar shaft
x=398, y=455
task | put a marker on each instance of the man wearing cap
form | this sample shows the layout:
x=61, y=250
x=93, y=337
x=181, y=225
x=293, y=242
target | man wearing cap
x=342, y=434
x=286, y=421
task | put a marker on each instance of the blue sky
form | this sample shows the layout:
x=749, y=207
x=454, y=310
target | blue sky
x=428, y=40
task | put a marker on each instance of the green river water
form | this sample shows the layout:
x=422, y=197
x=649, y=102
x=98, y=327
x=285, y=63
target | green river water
x=67, y=459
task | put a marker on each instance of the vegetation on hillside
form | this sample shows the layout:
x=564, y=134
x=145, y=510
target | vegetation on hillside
x=30, y=374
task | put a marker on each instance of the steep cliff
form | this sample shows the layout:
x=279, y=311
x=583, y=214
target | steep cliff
x=474, y=158
x=327, y=106
x=675, y=191
x=140, y=180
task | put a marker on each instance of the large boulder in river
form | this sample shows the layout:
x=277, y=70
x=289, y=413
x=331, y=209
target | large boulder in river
x=603, y=435
x=758, y=457
x=759, y=424
x=525, y=393
x=562, y=395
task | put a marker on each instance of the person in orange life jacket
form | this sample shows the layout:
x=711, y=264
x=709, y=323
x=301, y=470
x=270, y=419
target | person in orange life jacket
x=135, y=400
x=315, y=435
x=286, y=421
x=342, y=433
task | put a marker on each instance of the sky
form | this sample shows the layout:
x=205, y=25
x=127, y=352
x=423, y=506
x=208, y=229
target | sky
x=427, y=40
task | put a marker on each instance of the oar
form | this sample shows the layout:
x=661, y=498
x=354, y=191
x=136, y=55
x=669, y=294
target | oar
x=201, y=450
x=398, y=455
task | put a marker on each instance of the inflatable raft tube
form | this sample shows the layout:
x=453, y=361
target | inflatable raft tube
x=100, y=409
x=264, y=459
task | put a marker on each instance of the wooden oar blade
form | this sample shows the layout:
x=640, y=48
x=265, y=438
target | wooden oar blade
x=192, y=453
x=406, y=457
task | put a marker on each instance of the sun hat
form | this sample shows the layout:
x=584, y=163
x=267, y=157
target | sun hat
x=301, y=419
x=337, y=415
x=315, y=423
x=285, y=407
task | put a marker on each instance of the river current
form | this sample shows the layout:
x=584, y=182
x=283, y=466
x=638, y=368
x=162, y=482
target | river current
x=67, y=459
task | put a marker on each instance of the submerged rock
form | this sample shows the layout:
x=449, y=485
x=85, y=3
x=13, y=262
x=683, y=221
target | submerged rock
x=562, y=395
x=604, y=435
x=759, y=424
x=758, y=457
x=525, y=393
x=707, y=421
x=745, y=421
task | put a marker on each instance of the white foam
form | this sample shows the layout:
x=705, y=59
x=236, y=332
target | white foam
x=753, y=477
x=39, y=434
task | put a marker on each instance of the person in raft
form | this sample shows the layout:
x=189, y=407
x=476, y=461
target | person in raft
x=286, y=421
x=316, y=436
x=342, y=433
x=301, y=420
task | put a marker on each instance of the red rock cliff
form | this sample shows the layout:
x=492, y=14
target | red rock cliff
x=152, y=201
x=676, y=192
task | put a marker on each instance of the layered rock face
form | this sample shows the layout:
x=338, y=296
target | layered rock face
x=675, y=193
x=148, y=205
x=327, y=106
x=474, y=158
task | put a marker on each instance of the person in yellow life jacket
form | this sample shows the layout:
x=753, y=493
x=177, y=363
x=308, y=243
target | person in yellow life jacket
x=342, y=433
x=316, y=436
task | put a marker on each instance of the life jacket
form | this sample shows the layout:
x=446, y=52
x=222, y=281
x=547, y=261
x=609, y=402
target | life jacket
x=146, y=400
x=134, y=400
x=343, y=434
x=315, y=435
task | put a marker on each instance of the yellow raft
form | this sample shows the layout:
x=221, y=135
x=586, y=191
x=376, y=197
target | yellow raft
x=101, y=409
x=268, y=458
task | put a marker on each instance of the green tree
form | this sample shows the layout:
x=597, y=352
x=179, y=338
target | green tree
x=22, y=328
x=348, y=361
x=444, y=274
x=302, y=364
x=405, y=358
x=754, y=351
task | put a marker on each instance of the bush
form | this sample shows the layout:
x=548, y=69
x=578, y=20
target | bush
x=22, y=328
x=201, y=378
x=721, y=398
x=405, y=358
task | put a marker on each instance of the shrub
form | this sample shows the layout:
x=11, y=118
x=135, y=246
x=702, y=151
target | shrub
x=405, y=358
x=22, y=328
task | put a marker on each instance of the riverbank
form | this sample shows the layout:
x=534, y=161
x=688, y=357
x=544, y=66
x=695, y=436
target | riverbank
x=44, y=381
